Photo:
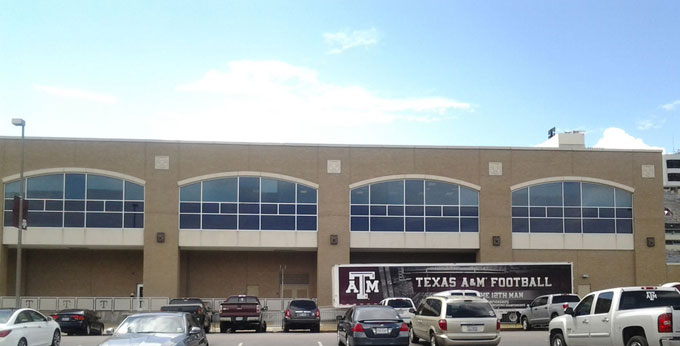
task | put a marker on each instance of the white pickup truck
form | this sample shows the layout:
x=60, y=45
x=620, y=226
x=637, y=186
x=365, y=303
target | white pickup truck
x=628, y=316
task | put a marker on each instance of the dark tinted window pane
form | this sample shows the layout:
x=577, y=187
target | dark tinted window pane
x=269, y=209
x=249, y=208
x=219, y=221
x=433, y=211
x=546, y=194
x=100, y=187
x=306, y=223
x=134, y=192
x=554, y=212
x=451, y=211
x=469, y=211
x=47, y=186
x=95, y=206
x=308, y=305
x=572, y=194
x=360, y=195
x=249, y=189
x=468, y=196
x=285, y=223
x=395, y=211
x=604, y=302
x=572, y=225
x=624, y=212
x=520, y=211
x=104, y=220
x=228, y=208
x=546, y=226
x=286, y=209
x=623, y=198
x=415, y=192
x=189, y=207
x=624, y=226
x=74, y=205
x=12, y=189
x=378, y=210
x=672, y=163
x=306, y=209
x=211, y=208
x=220, y=190
x=469, y=310
x=134, y=206
x=673, y=176
x=359, y=223
x=390, y=192
x=305, y=194
x=642, y=299
x=36, y=204
x=598, y=226
x=134, y=220
x=190, y=193
x=606, y=212
x=44, y=219
x=9, y=203
x=277, y=191
x=566, y=298
x=249, y=222
x=590, y=212
x=441, y=224
x=189, y=221
x=387, y=224
x=415, y=224
x=359, y=210
x=114, y=206
x=74, y=219
x=8, y=218
x=520, y=197
x=417, y=211
x=440, y=193
x=595, y=195
x=469, y=224
x=572, y=212
x=520, y=225
x=537, y=211
x=75, y=186
x=54, y=205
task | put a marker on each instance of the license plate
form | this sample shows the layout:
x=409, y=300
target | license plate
x=65, y=319
x=303, y=314
x=472, y=329
x=382, y=330
x=238, y=318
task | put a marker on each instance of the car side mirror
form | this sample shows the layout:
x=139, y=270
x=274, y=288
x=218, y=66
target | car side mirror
x=108, y=331
x=412, y=310
x=195, y=330
x=569, y=311
x=265, y=308
x=338, y=317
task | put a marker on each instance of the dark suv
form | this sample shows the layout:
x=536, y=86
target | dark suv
x=302, y=314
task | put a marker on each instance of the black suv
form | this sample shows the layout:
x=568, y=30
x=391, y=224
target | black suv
x=302, y=314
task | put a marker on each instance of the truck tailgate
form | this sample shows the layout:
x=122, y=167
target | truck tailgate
x=239, y=310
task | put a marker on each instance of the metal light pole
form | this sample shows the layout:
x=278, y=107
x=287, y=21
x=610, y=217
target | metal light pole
x=22, y=224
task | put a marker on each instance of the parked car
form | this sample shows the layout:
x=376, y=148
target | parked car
x=79, y=321
x=544, y=308
x=242, y=312
x=675, y=285
x=453, y=293
x=457, y=320
x=403, y=305
x=302, y=314
x=195, y=306
x=372, y=325
x=25, y=327
x=627, y=316
x=158, y=328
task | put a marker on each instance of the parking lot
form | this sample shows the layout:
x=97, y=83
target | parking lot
x=508, y=338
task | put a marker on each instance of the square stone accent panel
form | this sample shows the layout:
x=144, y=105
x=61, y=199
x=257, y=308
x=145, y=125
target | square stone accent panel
x=334, y=166
x=648, y=171
x=162, y=162
x=495, y=168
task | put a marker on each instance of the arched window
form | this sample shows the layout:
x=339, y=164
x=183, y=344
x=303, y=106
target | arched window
x=572, y=207
x=79, y=200
x=413, y=205
x=248, y=203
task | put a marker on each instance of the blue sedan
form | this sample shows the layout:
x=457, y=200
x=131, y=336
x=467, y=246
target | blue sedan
x=372, y=325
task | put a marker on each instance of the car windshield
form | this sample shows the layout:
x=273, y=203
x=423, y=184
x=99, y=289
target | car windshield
x=241, y=299
x=5, y=315
x=376, y=314
x=151, y=324
x=648, y=299
x=400, y=303
x=185, y=301
x=303, y=304
x=566, y=299
x=469, y=309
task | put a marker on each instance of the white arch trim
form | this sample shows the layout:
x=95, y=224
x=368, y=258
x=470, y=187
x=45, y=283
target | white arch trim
x=414, y=176
x=74, y=170
x=247, y=174
x=582, y=179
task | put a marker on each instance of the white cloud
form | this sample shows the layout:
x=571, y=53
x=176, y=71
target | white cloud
x=76, y=94
x=615, y=138
x=280, y=100
x=671, y=106
x=342, y=41
x=650, y=123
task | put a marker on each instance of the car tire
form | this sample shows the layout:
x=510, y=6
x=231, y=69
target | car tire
x=433, y=340
x=223, y=327
x=88, y=331
x=22, y=342
x=206, y=329
x=56, y=338
x=315, y=329
x=557, y=340
x=338, y=337
x=637, y=341
x=286, y=329
x=554, y=314
x=525, y=323
x=412, y=336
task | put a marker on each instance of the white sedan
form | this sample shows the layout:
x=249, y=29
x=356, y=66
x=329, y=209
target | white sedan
x=24, y=327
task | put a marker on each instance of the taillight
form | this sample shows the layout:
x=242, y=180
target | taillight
x=257, y=309
x=4, y=333
x=665, y=322
x=498, y=324
x=318, y=313
x=565, y=306
x=78, y=317
x=358, y=328
x=287, y=313
x=221, y=308
x=442, y=324
x=404, y=328
x=54, y=317
x=199, y=310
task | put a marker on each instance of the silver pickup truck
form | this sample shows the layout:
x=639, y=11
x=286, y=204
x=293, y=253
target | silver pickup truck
x=545, y=308
x=627, y=316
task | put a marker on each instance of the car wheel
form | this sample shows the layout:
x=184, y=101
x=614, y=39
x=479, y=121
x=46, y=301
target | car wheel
x=553, y=315
x=206, y=329
x=22, y=342
x=433, y=340
x=286, y=329
x=557, y=340
x=412, y=334
x=316, y=329
x=525, y=323
x=87, y=329
x=338, y=337
x=56, y=338
x=223, y=328
x=637, y=341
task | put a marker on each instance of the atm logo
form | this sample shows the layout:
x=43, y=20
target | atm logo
x=365, y=284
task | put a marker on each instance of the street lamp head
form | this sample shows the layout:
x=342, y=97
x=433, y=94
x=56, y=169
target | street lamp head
x=18, y=122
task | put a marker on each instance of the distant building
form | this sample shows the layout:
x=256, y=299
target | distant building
x=671, y=184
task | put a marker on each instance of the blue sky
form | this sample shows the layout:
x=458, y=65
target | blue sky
x=458, y=73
